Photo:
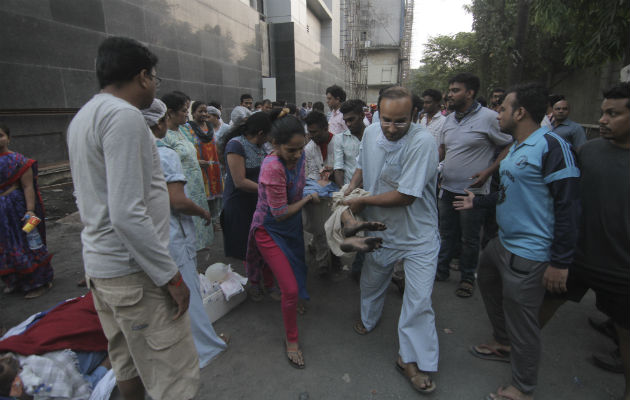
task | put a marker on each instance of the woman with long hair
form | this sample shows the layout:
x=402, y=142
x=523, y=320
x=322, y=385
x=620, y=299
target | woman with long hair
x=276, y=237
x=179, y=138
x=205, y=143
x=22, y=267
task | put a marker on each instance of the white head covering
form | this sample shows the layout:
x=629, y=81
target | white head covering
x=239, y=114
x=214, y=111
x=154, y=113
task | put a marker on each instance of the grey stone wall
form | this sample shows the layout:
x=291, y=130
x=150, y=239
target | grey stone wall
x=209, y=49
x=303, y=68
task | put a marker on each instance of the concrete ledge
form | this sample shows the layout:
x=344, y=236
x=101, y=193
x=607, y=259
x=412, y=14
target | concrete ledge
x=54, y=173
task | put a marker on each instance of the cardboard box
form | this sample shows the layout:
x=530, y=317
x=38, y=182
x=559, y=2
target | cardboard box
x=216, y=306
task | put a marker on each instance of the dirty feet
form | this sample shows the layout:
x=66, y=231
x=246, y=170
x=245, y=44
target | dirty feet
x=351, y=228
x=364, y=244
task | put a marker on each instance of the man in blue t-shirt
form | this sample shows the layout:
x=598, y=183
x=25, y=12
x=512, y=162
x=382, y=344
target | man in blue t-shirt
x=537, y=209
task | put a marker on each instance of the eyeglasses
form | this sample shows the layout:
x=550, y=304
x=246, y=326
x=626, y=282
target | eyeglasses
x=157, y=79
x=396, y=124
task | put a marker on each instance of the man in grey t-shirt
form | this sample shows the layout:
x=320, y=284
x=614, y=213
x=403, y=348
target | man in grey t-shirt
x=123, y=201
x=471, y=140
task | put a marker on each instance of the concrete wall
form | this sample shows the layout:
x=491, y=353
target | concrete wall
x=583, y=90
x=300, y=35
x=386, y=20
x=303, y=67
x=209, y=49
x=382, y=71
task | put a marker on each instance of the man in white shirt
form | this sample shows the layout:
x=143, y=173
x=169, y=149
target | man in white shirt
x=319, y=155
x=346, y=145
x=123, y=201
x=433, y=118
x=335, y=95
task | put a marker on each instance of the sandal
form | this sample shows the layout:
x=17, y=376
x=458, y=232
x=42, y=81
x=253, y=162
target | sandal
x=360, y=329
x=494, y=355
x=301, y=307
x=421, y=381
x=225, y=337
x=255, y=293
x=35, y=293
x=295, y=357
x=499, y=396
x=465, y=289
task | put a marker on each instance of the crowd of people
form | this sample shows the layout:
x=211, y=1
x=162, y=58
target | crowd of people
x=535, y=214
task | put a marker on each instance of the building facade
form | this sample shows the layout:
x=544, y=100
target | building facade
x=209, y=49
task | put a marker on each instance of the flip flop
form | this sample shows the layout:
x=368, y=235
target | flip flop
x=35, y=293
x=225, y=337
x=360, y=329
x=424, y=390
x=495, y=355
x=497, y=396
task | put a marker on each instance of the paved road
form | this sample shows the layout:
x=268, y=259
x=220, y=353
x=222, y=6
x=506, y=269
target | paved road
x=343, y=365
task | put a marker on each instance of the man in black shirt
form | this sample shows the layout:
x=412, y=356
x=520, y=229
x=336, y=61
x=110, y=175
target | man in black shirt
x=602, y=258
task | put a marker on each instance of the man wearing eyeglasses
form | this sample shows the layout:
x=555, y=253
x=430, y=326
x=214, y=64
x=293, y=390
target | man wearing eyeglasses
x=470, y=140
x=397, y=165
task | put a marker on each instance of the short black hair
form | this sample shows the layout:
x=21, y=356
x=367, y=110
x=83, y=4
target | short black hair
x=277, y=104
x=532, y=97
x=395, y=92
x=554, y=98
x=246, y=96
x=435, y=94
x=304, y=104
x=337, y=92
x=318, y=105
x=482, y=100
x=283, y=129
x=353, y=105
x=119, y=59
x=292, y=108
x=620, y=90
x=258, y=103
x=417, y=102
x=469, y=80
x=215, y=104
x=174, y=100
x=5, y=128
x=318, y=118
x=498, y=90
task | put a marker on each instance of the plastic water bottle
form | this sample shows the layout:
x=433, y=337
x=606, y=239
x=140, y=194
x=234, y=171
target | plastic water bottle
x=32, y=235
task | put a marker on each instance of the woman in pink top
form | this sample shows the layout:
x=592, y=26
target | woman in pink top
x=276, y=237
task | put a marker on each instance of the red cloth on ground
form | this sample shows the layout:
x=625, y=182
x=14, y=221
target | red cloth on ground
x=71, y=325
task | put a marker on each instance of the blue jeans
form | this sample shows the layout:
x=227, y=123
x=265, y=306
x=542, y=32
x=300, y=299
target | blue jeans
x=456, y=226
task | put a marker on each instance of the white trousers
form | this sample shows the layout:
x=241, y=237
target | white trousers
x=416, y=326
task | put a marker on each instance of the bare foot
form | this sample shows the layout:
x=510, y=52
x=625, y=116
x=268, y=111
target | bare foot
x=510, y=393
x=351, y=228
x=364, y=244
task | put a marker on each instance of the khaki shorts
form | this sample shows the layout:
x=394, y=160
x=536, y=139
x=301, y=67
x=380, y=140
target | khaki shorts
x=144, y=341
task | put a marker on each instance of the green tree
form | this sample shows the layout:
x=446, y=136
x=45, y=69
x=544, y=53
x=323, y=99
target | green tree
x=445, y=56
x=595, y=31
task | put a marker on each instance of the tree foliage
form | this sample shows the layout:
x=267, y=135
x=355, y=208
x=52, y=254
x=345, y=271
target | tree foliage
x=519, y=40
x=595, y=30
x=445, y=56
